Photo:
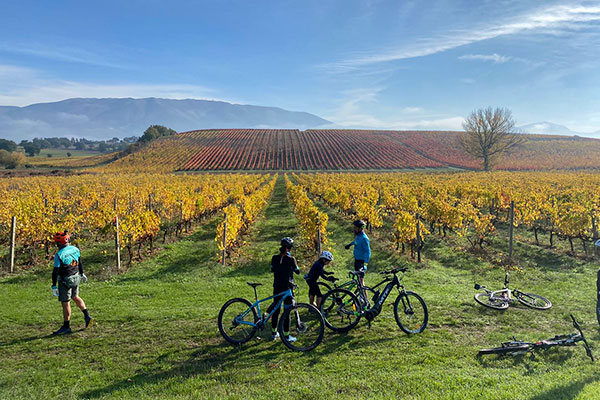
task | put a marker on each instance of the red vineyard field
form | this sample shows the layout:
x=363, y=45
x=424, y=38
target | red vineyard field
x=336, y=149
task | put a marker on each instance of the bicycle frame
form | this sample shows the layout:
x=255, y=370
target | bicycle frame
x=374, y=311
x=256, y=304
x=500, y=293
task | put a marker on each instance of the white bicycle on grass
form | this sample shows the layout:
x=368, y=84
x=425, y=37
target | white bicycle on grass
x=501, y=299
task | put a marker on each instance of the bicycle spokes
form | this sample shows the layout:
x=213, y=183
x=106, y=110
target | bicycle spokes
x=306, y=327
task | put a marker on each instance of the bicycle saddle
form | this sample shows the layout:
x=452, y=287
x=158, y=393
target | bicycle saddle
x=254, y=284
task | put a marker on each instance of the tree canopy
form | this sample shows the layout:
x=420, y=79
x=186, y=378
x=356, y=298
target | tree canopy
x=154, y=132
x=489, y=133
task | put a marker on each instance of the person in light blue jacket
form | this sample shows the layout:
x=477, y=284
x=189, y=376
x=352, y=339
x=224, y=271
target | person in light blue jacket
x=362, y=248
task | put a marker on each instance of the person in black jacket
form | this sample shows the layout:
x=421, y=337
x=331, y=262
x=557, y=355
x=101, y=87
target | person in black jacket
x=283, y=266
x=318, y=271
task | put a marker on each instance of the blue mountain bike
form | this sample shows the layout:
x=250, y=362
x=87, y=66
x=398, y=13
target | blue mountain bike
x=239, y=320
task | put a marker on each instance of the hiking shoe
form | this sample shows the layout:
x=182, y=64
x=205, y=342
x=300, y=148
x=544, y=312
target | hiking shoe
x=291, y=339
x=62, y=331
x=275, y=336
x=89, y=322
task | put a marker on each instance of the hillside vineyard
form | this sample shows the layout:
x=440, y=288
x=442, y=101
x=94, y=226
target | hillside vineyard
x=288, y=149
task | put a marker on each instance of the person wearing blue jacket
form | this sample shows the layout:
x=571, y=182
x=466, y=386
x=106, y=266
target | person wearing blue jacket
x=362, y=248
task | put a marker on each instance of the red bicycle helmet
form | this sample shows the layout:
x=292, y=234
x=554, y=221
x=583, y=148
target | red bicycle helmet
x=61, y=237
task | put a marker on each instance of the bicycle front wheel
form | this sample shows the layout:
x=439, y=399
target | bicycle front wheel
x=237, y=321
x=485, y=300
x=306, y=327
x=533, y=301
x=341, y=310
x=411, y=312
x=510, y=349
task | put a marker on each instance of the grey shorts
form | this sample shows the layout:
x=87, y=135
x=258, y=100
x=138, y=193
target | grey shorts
x=65, y=293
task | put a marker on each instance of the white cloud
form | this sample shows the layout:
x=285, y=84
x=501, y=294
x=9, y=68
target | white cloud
x=67, y=54
x=554, y=18
x=24, y=86
x=412, y=110
x=495, y=58
x=351, y=114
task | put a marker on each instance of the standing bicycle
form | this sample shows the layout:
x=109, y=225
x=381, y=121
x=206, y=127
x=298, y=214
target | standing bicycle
x=239, y=320
x=342, y=309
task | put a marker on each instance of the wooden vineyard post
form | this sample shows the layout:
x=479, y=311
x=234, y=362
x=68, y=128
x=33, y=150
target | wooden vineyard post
x=13, y=229
x=418, y=238
x=224, y=240
x=318, y=234
x=510, y=229
x=595, y=234
x=117, y=243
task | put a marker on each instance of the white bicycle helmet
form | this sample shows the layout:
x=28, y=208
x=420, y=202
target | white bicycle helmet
x=597, y=244
x=326, y=255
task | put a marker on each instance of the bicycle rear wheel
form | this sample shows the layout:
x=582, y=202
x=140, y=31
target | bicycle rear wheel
x=485, y=300
x=510, y=349
x=234, y=321
x=533, y=300
x=341, y=310
x=306, y=327
x=411, y=312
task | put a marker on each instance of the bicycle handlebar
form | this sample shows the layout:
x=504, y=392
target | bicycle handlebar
x=588, y=351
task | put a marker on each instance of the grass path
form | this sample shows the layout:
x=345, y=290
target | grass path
x=156, y=335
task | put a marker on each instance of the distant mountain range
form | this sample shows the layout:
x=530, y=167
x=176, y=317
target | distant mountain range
x=553, y=129
x=107, y=118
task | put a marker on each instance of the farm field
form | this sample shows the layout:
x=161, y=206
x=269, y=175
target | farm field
x=156, y=334
x=289, y=150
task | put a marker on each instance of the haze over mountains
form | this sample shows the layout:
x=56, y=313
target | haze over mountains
x=107, y=118
x=553, y=129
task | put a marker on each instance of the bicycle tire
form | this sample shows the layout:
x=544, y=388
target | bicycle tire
x=324, y=287
x=529, y=299
x=409, y=307
x=311, y=331
x=484, y=300
x=246, y=333
x=339, y=305
x=505, y=350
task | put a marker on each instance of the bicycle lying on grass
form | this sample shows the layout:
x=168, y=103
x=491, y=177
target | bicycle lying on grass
x=342, y=309
x=239, y=321
x=500, y=299
x=516, y=347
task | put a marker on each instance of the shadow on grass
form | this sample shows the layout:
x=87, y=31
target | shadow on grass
x=39, y=337
x=569, y=391
x=222, y=356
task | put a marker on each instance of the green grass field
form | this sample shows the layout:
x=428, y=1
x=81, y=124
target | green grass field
x=156, y=334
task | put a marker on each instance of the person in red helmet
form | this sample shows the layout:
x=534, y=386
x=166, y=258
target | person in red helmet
x=67, y=274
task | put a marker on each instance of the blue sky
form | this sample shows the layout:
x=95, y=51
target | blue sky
x=384, y=64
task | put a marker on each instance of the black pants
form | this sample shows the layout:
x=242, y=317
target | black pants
x=314, y=289
x=358, y=265
x=275, y=317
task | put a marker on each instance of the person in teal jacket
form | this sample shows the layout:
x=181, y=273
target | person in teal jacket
x=66, y=276
x=362, y=248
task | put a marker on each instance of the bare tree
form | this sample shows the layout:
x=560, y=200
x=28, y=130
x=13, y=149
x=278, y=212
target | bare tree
x=488, y=134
